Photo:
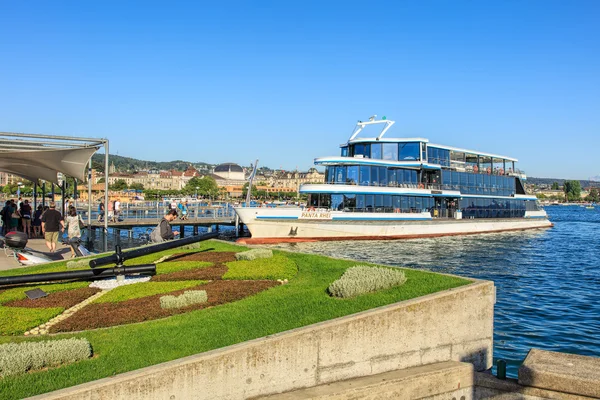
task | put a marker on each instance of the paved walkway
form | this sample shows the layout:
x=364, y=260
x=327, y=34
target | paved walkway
x=7, y=261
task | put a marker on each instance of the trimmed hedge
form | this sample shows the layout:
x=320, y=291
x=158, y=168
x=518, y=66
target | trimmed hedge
x=188, y=298
x=254, y=254
x=18, y=358
x=362, y=279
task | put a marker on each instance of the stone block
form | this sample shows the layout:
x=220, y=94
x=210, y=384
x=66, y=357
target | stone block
x=561, y=372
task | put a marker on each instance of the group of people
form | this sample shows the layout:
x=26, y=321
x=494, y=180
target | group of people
x=53, y=223
x=181, y=207
x=114, y=210
x=19, y=216
x=46, y=222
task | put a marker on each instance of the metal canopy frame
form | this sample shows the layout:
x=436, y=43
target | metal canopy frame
x=12, y=142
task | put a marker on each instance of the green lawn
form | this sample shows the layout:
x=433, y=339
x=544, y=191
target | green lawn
x=303, y=301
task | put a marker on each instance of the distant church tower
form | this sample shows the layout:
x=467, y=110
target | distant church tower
x=112, y=169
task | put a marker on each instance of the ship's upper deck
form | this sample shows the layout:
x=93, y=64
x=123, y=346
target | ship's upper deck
x=416, y=153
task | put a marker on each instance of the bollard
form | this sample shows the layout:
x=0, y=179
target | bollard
x=501, y=369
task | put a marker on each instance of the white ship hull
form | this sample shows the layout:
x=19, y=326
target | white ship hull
x=272, y=225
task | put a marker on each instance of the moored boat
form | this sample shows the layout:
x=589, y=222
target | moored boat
x=392, y=188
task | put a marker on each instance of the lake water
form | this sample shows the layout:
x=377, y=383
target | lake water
x=547, y=281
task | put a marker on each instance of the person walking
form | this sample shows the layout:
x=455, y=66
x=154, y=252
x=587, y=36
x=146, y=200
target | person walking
x=72, y=222
x=52, y=223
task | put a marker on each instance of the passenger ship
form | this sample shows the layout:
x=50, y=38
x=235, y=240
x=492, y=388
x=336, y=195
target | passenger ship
x=393, y=188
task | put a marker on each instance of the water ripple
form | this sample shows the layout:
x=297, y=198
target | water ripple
x=547, y=280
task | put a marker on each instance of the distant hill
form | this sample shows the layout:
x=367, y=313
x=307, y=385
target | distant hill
x=127, y=164
x=549, y=181
x=130, y=165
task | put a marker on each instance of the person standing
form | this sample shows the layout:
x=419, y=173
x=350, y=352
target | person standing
x=101, y=211
x=117, y=209
x=111, y=211
x=73, y=229
x=15, y=217
x=6, y=214
x=25, y=212
x=52, y=223
x=184, y=210
x=165, y=225
x=37, y=221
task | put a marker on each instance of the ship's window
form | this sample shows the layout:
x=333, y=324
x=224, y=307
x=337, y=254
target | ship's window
x=413, y=176
x=369, y=202
x=383, y=181
x=418, y=203
x=352, y=177
x=340, y=174
x=374, y=176
x=447, y=179
x=376, y=151
x=365, y=175
x=404, y=202
x=350, y=201
x=345, y=151
x=360, y=202
x=412, y=203
x=408, y=151
x=391, y=176
x=325, y=200
x=378, y=200
x=330, y=174
x=486, y=184
x=390, y=151
x=432, y=155
x=423, y=152
x=396, y=202
x=337, y=202
x=363, y=149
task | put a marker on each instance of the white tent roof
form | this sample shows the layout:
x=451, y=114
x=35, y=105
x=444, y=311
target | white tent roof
x=36, y=157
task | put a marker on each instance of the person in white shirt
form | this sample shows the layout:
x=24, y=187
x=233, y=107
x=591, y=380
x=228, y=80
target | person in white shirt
x=117, y=210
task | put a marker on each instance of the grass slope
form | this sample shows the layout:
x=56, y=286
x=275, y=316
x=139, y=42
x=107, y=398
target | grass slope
x=302, y=302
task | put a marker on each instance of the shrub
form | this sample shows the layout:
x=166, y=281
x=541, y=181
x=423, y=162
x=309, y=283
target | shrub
x=254, y=254
x=277, y=267
x=188, y=298
x=17, y=358
x=363, y=279
x=85, y=263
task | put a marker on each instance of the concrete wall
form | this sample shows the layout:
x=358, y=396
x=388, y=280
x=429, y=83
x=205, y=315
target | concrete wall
x=456, y=325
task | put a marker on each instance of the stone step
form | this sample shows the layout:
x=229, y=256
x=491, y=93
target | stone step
x=449, y=379
x=561, y=372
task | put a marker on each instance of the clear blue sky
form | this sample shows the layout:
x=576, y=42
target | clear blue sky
x=285, y=81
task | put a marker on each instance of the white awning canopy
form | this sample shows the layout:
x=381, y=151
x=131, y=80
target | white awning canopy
x=36, y=157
